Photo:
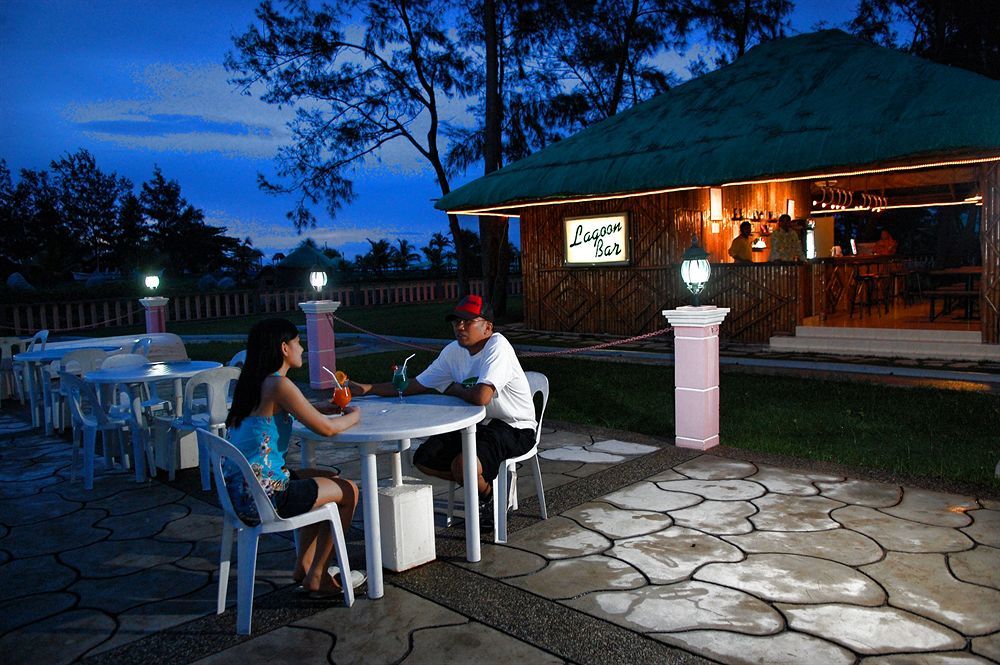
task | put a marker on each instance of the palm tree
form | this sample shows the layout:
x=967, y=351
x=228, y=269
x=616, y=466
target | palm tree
x=403, y=255
x=379, y=257
x=437, y=252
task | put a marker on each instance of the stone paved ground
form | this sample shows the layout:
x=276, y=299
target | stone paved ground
x=651, y=554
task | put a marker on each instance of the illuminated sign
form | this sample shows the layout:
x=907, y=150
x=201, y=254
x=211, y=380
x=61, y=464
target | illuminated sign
x=598, y=240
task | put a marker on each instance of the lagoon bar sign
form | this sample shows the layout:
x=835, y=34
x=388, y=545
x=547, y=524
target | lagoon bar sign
x=601, y=240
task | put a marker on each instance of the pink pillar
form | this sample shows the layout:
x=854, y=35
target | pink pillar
x=696, y=374
x=319, y=335
x=156, y=313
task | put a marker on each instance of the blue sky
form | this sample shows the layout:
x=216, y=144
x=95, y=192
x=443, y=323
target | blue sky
x=139, y=83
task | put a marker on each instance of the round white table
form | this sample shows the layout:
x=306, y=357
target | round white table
x=385, y=419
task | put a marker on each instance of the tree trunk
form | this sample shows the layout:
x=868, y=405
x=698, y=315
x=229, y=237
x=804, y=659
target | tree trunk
x=493, y=231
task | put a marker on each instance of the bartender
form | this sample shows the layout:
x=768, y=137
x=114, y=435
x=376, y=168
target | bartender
x=740, y=249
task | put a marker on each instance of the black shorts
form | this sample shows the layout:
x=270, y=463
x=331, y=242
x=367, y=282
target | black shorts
x=495, y=442
x=297, y=498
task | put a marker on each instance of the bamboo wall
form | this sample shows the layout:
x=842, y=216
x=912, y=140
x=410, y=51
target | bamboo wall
x=990, y=239
x=628, y=300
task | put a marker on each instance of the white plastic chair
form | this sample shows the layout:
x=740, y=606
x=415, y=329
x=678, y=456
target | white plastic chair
x=21, y=378
x=8, y=347
x=90, y=418
x=505, y=484
x=141, y=346
x=149, y=398
x=212, y=415
x=239, y=359
x=247, y=535
x=78, y=363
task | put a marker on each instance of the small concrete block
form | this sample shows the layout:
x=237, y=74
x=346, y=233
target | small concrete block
x=406, y=517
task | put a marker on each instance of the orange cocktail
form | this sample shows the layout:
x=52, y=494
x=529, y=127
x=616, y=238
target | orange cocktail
x=342, y=395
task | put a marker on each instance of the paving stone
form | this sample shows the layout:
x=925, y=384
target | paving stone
x=583, y=470
x=785, y=481
x=468, y=643
x=616, y=522
x=143, y=524
x=669, y=474
x=105, y=484
x=140, y=588
x=579, y=454
x=288, y=644
x=33, y=608
x=559, y=467
x=985, y=528
x=63, y=638
x=841, y=545
x=673, y=554
x=572, y=577
x=988, y=646
x=979, y=566
x=616, y=447
x=862, y=492
x=202, y=522
x=787, y=648
x=894, y=533
x=922, y=584
x=718, y=490
x=35, y=508
x=16, y=490
x=499, y=561
x=648, y=496
x=56, y=535
x=717, y=517
x=393, y=618
x=123, y=557
x=952, y=658
x=682, y=606
x=710, y=467
x=138, y=498
x=991, y=504
x=37, y=574
x=564, y=438
x=780, y=512
x=935, y=508
x=559, y=538
x=870, y=630
x=795, y=579
x=19, y=471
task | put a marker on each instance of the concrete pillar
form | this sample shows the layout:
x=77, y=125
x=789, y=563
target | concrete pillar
x=319, y=337
x=696, y=374
x=156, y=313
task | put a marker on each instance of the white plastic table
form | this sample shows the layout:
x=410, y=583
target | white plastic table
x=385, y=419
x=35, y=360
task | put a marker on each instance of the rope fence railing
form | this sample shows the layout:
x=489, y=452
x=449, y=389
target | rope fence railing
x=529, y=354
x=88, y=326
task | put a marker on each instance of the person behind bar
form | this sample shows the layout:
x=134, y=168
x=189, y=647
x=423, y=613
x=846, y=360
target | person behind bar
x=479, y=367
x=785, y=242
x=260, y=425
x=740, y=249
x=886, y=245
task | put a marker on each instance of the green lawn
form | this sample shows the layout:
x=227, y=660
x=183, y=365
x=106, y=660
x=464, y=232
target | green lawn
x=910, y=431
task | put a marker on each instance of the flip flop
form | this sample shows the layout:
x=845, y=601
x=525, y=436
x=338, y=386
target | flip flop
x=357, y=579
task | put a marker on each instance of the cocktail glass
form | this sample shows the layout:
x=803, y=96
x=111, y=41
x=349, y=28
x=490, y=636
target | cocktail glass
x=399, y=380
x=342, y=396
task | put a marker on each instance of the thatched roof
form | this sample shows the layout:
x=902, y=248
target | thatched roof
x=807, y=104
x=305, y=257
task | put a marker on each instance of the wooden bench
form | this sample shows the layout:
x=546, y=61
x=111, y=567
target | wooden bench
x=951, y=298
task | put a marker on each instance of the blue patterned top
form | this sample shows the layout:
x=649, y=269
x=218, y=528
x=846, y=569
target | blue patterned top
x=263, y=440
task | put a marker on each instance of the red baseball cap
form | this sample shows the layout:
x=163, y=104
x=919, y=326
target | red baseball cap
x=471, y=307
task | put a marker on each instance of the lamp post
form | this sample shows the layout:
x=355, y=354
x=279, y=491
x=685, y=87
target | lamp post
x=319, y=332
x=696, y=358
x=155, y=306
x=695, y=269
x=152, y=282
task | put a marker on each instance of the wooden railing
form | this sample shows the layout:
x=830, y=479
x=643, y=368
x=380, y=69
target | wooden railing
x=90, y=315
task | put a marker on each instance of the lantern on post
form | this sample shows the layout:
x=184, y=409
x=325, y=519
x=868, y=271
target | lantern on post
x=318, y=278
x=152, y=282
x=695, y=269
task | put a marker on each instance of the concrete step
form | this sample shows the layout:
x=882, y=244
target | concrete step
x=896, y=334
x=944, y=345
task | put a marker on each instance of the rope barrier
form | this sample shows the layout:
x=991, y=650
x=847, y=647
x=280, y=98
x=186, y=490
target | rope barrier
x=533, y=354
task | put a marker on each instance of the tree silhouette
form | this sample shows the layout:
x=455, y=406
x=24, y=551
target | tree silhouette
x=379, y=257
x=403, y=254
x=437, y=253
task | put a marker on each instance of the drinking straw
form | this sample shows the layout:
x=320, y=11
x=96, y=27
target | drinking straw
x=339, y=387
x=407, y=360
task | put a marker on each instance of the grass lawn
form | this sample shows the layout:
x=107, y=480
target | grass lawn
x=421, y=320
x=910, y=431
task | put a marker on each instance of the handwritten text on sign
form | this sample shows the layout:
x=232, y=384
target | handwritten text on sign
x=592, y=240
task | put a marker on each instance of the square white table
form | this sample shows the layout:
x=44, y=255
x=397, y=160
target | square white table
x=385, y=419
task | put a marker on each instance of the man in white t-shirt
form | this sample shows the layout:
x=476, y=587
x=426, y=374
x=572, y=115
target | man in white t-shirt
x=481, y=368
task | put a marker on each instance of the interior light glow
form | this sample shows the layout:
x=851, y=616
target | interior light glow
x=899, y=205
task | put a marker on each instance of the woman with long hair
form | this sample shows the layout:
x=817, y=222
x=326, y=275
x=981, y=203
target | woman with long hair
x=260, y=425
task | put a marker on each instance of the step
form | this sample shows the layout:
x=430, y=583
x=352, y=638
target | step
x=896, y=334
x=888, y=348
